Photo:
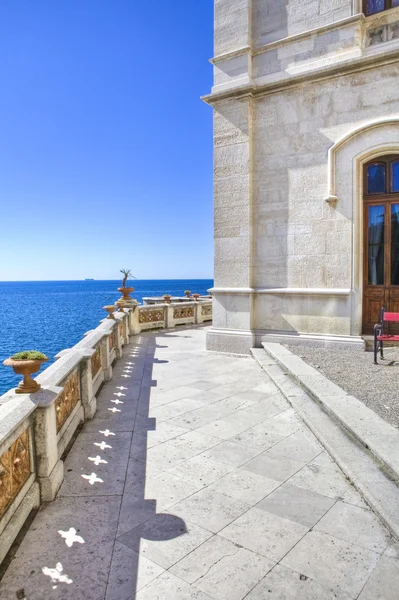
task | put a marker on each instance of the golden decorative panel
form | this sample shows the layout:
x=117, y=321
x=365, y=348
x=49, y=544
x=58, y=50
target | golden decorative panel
x=96, y=362
x=67, y=400
x=111, y=341
x=14, y=470
x=184, y=312
x=153, y=315
x=206, y=310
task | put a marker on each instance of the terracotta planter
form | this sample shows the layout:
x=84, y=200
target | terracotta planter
x=167, y=298
x=196, y=296
x=121, y=305
x=110, y=310
x=126, y=291
x=26, y=367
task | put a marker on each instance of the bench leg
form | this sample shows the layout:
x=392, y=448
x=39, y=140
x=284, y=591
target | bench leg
x=381, y=350
x=375, y=345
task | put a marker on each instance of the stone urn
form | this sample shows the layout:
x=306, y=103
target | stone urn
x=196, y=296
x=188, y=293
x=121, y=304
x=26, y=367
x=110, y=310
x=126, y=291
x=167, y=298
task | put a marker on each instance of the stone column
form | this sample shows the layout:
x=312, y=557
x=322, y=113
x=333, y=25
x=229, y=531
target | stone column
x=89, y=401
x=232, y=329
x=50, y=469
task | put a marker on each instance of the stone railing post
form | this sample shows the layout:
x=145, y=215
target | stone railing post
x=89, y=401
x=50, y=469
x=169, y=318
x=134, y=320
x=105, y=358
x=197, y=313
x=125, y=322
x=118, y=338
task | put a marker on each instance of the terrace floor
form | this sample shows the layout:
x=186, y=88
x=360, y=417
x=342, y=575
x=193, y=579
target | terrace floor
x=196, y=480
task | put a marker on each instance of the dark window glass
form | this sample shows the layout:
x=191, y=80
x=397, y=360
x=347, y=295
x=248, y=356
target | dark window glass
x=395, y=173
x=374, y=6
x=395, y=244
x=376, y=225
x=376, y=179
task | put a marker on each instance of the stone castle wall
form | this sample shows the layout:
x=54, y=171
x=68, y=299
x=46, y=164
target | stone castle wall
x=292, y=80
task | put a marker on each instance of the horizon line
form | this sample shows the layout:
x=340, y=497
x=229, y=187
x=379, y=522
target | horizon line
x=94, y=279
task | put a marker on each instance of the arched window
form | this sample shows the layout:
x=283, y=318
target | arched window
x=381, y=238
x=371, y=7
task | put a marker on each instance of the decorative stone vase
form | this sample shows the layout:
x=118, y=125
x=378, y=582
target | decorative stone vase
x=188, y=293
x=126, y=291
x=26, y=367
x=121, y=305
x=196, y=296
x=110, y=310
x=167, y=298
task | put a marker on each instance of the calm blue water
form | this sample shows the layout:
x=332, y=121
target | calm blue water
x=52, y=315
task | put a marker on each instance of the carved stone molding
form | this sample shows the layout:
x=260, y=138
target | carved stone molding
x=96, y=362
x=152, y=316
x=206, y=310
x=14, y=470
x=111, y=341
x=382, y=33
x=67, y=400
x=184, y=312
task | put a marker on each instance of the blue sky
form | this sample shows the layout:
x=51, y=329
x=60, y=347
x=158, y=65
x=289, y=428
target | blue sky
x=105, y=146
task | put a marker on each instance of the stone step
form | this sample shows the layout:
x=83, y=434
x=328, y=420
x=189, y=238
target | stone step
x=368, y=473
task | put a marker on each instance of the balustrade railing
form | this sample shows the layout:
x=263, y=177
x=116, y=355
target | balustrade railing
x=36, y=429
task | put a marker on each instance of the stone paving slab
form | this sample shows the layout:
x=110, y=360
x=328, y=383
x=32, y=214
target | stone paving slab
x=212, y=488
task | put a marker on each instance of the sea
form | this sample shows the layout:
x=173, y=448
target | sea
x=50, y=316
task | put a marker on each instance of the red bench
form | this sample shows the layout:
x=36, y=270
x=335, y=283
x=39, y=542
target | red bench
x=380, y=335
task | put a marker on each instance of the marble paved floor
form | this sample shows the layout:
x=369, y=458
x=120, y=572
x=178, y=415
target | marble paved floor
x=197, y=481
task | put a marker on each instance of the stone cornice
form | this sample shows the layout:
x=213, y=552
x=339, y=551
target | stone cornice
x=353, y=65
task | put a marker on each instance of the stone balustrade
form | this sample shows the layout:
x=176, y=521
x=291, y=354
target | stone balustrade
x=36, y=429
x=161, y=300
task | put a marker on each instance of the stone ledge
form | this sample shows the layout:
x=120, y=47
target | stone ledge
x=377, y=488
x=377, y=436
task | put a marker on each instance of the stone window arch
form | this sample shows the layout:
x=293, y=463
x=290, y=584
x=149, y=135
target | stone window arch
x=346, y=161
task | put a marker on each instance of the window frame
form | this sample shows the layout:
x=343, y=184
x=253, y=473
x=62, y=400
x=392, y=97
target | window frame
x=386, y=160
x=387, y=6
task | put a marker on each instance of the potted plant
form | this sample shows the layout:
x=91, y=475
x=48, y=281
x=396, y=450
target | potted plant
x=167, y=298
x=188, y=293
x=110, y=310
x=25, y=363
x=124, y=289
x=196, y=296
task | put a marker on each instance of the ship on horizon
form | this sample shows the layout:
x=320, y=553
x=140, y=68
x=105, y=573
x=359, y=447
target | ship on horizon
x=89, y=279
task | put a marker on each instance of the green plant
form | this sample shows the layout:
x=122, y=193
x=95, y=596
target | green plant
x=126, y=274
x=29, y=355
x=187, y=291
